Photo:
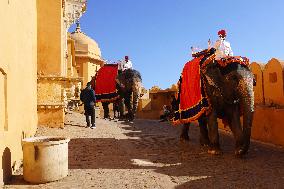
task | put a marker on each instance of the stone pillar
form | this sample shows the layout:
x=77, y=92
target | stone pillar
x=54, y=19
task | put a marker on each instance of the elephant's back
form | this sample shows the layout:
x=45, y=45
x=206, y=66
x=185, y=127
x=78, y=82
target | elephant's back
x=133, y=75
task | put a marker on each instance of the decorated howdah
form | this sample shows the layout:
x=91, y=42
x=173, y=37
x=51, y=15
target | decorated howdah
x=191, y=96
x=104, y=83
x=223, y=62
x=192, y=99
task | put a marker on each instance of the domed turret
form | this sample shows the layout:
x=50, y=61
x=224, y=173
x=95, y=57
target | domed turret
x=84, y=45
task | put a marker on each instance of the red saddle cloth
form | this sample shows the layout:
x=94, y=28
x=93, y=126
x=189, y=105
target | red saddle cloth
x=105, y=84
x=192, y=99
x=233, y=59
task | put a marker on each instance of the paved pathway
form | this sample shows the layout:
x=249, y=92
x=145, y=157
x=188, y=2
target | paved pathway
x=148, y=154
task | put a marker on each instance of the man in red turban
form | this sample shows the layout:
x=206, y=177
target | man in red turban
x=223, y=47
x=125, y=64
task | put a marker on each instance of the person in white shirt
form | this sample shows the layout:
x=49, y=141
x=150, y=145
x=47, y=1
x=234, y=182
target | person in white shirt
x=223, y=47
x=125, y=64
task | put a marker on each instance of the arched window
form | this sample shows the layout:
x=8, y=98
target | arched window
x=273, y=77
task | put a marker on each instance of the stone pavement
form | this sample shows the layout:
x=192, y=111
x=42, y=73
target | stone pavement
x=149, y=154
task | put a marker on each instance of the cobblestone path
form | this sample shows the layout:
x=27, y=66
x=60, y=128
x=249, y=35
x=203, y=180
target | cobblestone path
x=149, y=154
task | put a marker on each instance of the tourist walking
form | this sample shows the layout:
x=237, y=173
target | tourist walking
x=87, y=96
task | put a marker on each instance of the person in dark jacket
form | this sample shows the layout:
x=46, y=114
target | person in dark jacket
x=87, y=96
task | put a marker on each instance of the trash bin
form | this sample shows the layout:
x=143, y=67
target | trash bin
x=45, y=158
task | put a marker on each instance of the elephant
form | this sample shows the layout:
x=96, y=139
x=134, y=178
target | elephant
x=129, y=85
x=230, y=92
x=203, y=137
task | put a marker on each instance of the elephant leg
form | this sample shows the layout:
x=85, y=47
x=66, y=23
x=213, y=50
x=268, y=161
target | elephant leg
x=121, y=108
x=106, y=109
x=247, y=124
x=203, y=138
x=213, y=134
x=128, y=104
x=248, y=110
x=184, y=133
x=235, y=126
x=136, y=95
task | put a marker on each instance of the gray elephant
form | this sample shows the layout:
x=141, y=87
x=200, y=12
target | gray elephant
x=129, y=83
x=230, y=93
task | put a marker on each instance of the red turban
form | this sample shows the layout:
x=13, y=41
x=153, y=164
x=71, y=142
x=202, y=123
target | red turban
x=222, y=33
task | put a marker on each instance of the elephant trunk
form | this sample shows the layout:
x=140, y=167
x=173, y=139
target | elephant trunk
x=137, y=87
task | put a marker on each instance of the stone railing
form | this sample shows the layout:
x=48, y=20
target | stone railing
x=269, y=89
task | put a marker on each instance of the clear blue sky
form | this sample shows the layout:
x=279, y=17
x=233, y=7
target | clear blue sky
x=157, y=34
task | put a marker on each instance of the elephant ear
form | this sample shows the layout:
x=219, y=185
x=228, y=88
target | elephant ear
x=210, y=81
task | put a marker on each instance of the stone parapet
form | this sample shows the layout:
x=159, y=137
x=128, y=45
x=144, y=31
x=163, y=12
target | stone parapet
x=266, y=125
x=273, y=78
x=51, y=117
x=53, y=95
x=257, y=70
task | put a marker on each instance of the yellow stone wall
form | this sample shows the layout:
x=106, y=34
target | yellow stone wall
x=257, y=69
x=50, y=92
x=52, y=62
x=273, y=78
x=51, y=116
x=152, y=108
x=87, y=68
x=71, y=63
x=18, y=83
x=49, y=37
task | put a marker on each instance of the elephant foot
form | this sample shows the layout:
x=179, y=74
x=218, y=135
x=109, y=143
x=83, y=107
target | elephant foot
x=131, y=119
x=214, y=151
x=121, y=118
x=241, y=152
x=184, y=138
x=204, y=143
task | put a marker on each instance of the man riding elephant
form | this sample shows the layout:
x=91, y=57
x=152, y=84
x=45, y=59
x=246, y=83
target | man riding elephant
x=229, y=90
x=129, y=83
x=122, y=86
x=222, y=46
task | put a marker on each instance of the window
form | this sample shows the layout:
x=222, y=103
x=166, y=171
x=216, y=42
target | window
x=154, y=96
x=273, y=77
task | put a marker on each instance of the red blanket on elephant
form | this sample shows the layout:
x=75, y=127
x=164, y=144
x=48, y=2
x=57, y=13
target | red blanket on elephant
x=105, y=84
x=192, y=99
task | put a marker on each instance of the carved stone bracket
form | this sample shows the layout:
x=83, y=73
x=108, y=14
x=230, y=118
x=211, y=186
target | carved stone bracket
x=73, y=10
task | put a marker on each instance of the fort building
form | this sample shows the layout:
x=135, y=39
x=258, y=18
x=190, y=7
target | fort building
x=55, y=64
x=18, y=81
x=87, y=55
x=37, y=69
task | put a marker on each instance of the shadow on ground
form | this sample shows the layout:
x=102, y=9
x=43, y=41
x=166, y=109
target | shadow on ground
x=156, y=146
